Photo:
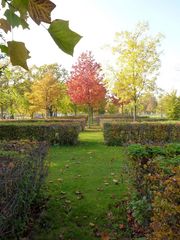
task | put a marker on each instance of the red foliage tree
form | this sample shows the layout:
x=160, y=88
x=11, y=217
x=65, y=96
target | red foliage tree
x=85, y=85
x=119, y=102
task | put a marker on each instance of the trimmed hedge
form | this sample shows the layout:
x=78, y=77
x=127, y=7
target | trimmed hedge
x=155, y=206
x=101, y=120
x=23, y=169
x=144, y=133
x=81, y=121
x=62, y=134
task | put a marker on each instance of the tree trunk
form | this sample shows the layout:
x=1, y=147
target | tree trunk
x=135, y=111
x=92, y=115
x=2, y=112
x=50, y=112
x=75, y=110
x=122, y=109
x=89, y=116
x=46, y=113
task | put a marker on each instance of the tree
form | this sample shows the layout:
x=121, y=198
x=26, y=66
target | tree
x=137, y=63
x=14, y=82
x=17, y=12
x=148, y=103
x=169, y=103
x=58, y=72
x=85, y=85
x=44, y=95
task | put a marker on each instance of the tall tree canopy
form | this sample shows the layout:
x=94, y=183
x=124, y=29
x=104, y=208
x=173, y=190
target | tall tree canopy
x=14, y=82
x=23, y=93
x=137, y=63
x=169, y=104
x=44, y=95
x=85, y=84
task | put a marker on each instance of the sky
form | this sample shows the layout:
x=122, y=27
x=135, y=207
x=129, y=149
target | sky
x=98, y=20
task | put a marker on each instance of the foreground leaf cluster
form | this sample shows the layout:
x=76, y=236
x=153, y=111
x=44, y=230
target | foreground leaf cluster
x=18, y=12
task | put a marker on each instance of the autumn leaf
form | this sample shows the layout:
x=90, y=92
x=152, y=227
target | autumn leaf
x=40, y=10
x=5, y=25
x=105, y=236
x=63, y=36
x=121, y=226
x=18, y=54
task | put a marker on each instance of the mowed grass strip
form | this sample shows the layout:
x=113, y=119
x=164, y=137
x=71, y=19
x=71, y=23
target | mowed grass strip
x=83, y=183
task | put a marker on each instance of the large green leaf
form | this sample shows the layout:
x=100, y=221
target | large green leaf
x=63, y=36
x=14, y=20
x=5, y=25
x=40, y=11
x=18, y=54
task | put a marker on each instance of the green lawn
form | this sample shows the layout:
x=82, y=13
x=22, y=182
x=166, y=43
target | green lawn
x=85, y=184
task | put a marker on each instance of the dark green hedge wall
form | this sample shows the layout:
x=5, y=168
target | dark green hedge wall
x=53, y=133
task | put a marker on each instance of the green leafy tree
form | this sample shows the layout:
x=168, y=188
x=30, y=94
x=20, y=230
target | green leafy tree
x=13, y=84
x=137, y=64
x=17, y=12
x=169, y=104
x=148, y=103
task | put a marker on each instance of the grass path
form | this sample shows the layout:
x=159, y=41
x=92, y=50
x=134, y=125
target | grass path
x=85, y=182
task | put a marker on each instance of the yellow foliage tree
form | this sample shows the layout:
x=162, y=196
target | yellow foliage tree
x=45, y=95
x=137, y=63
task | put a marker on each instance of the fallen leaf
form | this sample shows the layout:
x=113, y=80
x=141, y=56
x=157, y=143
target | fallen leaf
x=91, y=224
x=115, y=181
x=105, y=236
x=106, y=183
x=121, y=226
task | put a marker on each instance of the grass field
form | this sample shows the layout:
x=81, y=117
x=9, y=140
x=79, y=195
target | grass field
x=85, y=186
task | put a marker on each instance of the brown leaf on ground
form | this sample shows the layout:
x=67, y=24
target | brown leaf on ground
x=105, y=236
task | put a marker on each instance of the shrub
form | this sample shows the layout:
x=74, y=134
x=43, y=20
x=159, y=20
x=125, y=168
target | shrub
x=65, y=120
x=22, y=171
x=53, y=133
x=166, y=211
x=155, y=205
x=144, y=133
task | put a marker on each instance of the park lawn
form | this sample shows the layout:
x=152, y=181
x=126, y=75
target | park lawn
x=86, y=185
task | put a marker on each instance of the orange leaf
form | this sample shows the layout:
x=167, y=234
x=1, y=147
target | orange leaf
x=40, y=11
x=105, y=236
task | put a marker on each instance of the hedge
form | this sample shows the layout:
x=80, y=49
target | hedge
x=144, y=133
x=155, y=206
x=81, y=121
x=101, y=120
x=23, y=169
x=53, y=133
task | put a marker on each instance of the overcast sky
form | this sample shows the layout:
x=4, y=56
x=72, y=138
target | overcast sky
x=98, y=20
